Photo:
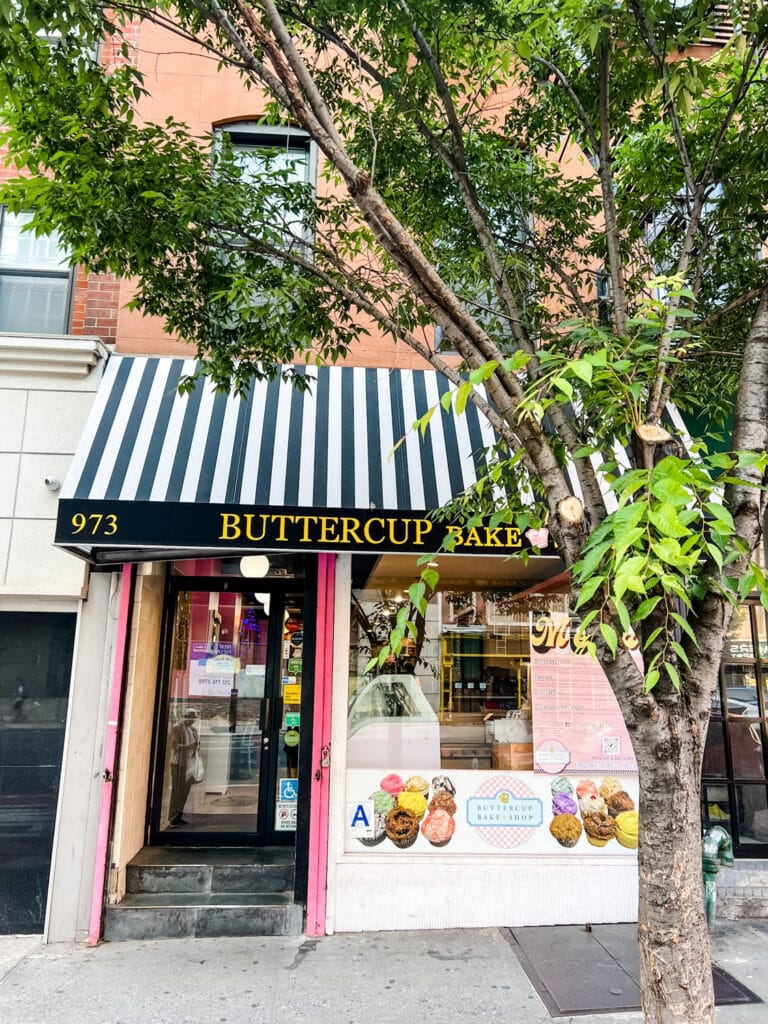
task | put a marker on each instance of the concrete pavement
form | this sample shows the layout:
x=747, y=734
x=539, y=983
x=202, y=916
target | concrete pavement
x=454, y=977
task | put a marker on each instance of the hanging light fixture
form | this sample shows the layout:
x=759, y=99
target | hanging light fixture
x=254, y=566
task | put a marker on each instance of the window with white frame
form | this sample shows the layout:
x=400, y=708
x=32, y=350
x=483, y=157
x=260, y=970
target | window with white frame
x=35, y=279
x=275, y=150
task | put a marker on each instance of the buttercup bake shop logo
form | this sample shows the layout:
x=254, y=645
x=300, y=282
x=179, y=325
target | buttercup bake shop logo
x=504, y=812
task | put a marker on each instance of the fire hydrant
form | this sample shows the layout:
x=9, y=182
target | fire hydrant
x=716, y=851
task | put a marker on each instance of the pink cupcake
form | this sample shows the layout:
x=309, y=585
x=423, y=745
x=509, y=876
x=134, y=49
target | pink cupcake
x=392, y=784
x=438, y=828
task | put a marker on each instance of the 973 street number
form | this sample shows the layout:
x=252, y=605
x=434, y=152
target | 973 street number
x=97, y=524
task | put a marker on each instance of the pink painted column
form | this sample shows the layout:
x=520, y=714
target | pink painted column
x=110, y=749
x=321, y=745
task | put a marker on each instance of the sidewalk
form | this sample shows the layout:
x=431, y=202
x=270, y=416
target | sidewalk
x=454, y=977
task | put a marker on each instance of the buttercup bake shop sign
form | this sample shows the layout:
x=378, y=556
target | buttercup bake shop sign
x=504, y=810
x=189, y=525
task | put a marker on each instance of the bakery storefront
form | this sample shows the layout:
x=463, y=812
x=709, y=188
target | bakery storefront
x=482, y=776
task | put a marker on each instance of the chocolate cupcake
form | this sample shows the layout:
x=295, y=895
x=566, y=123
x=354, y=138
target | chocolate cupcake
x=600, y=829
x=620, y=802
x=442, y=801
x=402, y=827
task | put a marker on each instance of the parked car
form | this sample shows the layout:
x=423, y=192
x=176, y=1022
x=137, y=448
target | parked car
x=742, y=700
x=391, y=722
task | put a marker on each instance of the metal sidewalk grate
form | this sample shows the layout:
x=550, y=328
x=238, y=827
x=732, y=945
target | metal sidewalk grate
x=577, y=970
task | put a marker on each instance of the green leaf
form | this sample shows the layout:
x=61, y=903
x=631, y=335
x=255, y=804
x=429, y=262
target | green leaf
x=482, y=373
x=651, y=678
x=686, y=627
x=589, y=589
x=645, y=608
x=680, y=652
x=609, y=636
x=673, y=674
x=423, y=423
x=667, y=522
x=431, y=577
x=721, y=514
x=654, y=636
x=462, y=397
x=582, y=369
x=563, y=386
x=623, y=614
x=516, y=362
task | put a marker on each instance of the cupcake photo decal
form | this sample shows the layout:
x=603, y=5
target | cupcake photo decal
x=603, y=813
x=404, y=812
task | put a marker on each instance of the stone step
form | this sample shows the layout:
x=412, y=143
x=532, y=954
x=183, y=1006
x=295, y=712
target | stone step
x=179, y=915
x=742, y=891
x=164, y=870
x=742, y=908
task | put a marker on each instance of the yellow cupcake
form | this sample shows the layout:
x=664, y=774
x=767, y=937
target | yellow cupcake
x=413, y=802
x=626, y=829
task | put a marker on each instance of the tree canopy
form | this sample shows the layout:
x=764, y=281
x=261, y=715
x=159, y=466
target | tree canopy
x=571, y=192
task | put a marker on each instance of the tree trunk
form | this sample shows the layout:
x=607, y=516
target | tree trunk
x=675, y=966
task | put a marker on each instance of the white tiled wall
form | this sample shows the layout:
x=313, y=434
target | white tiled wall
x=40, y=426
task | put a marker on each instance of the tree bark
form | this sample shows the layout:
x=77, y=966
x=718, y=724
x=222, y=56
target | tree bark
x=668, y=729
x=673, y=940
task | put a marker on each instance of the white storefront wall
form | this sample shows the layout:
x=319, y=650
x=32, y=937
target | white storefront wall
x=47, y=387
x=375, y=889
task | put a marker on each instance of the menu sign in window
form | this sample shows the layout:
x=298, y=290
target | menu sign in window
x=577, y=723
x=212, y=669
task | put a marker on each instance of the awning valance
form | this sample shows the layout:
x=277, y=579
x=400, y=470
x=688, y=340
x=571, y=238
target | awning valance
x=282, y=469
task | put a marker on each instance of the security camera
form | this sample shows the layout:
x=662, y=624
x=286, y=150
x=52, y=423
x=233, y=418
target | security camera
x=52, y=483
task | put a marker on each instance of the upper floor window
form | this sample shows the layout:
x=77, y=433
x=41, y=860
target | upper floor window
x=284, y=156
x=35, y=279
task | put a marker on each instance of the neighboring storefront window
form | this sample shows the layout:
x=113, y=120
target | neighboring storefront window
x=35, y=667
x=734, y=791
x=441, y=738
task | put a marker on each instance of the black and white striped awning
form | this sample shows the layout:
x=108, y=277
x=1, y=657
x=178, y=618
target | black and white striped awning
x=280, y=469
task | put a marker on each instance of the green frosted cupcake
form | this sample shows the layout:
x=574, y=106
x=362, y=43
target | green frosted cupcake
x=383, y=802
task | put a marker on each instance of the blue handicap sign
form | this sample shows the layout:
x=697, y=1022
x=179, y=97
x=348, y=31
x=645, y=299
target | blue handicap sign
x=289, y=790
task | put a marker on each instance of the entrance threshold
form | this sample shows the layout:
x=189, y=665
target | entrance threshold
x=174, y=892
x=595, y=969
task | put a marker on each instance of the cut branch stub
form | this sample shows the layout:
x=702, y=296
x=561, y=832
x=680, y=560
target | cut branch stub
x=652, y=433
x=570, y=511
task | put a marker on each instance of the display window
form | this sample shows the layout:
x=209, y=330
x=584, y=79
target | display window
x=737, y=740
x=443, y=749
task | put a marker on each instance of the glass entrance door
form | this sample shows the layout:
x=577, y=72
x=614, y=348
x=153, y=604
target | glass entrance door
x=231, y=721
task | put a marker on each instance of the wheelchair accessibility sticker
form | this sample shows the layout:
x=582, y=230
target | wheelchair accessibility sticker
x=289, y=790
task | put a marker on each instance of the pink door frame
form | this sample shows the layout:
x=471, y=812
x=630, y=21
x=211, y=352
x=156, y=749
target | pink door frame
x=110, y=752
x=321, y=746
